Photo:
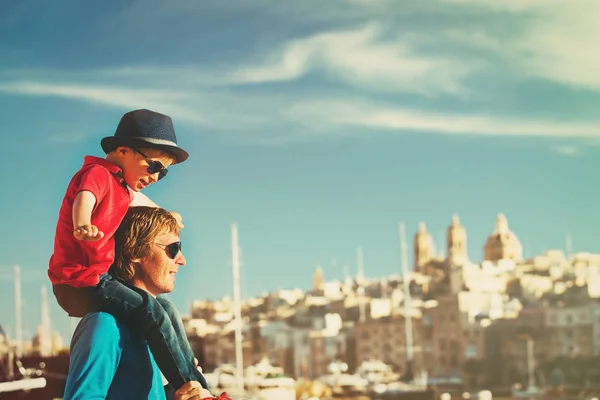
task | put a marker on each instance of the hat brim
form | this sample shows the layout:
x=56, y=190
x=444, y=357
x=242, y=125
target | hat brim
x=111, y=143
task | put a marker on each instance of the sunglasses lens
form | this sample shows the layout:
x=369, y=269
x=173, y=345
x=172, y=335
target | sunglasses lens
x=162, y=173
x=154, y=167
x=173, y=249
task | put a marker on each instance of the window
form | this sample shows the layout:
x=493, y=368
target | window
x=442, y=344
x=569, y=334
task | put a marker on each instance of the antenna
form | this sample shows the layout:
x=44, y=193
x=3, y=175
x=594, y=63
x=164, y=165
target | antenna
x=569, y=244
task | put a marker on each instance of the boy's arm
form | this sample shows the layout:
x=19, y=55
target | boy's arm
x=140, y=199
x=82, y=217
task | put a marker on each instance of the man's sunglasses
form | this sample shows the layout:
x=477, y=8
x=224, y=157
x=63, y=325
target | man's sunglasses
x=171, y=249
x=154, y=166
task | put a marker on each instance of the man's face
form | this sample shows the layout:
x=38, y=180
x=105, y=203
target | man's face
x=156, y=273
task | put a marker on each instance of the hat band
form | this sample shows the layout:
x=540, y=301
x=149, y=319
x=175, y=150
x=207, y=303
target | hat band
x=156, y=141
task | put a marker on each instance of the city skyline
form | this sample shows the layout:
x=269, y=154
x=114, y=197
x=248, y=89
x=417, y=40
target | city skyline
x=45, y=322
x=316, y=135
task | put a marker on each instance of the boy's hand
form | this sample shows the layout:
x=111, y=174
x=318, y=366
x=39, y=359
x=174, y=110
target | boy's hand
x=88, y=232
x=178, y=218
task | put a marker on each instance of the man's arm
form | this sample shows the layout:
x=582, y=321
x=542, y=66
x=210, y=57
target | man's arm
x=96, y=350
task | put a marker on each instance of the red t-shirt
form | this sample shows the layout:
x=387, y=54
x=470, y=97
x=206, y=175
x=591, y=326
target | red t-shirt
x=80, y=263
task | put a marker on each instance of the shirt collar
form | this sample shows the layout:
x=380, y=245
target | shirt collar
x=115, y=170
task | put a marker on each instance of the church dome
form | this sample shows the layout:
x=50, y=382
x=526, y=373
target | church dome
x=503, y=243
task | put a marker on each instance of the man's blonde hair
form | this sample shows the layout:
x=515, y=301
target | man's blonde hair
x=135, y=236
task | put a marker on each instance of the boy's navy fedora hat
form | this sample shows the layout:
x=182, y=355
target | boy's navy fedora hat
x=147, y=129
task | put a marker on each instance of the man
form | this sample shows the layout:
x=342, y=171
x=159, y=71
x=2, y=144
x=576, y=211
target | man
x=110, y=359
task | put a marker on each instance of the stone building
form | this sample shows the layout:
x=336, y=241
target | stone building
x=502, y=244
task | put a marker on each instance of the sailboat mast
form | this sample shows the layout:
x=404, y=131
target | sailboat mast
x=407, y=300
x=569, y=245
x=18, y=312
x=237, y=309
x=361, y=282
x=46, y=331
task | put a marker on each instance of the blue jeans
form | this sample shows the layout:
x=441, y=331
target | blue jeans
x=157, y=318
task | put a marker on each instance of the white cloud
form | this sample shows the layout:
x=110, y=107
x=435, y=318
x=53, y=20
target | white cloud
x=553, y=39
x=107, y=95
x=568, y=150
x=382, y=116
x=289, y=117
x=362, y=57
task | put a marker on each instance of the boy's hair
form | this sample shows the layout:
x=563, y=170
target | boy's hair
x=135, y=236
x=146, y=150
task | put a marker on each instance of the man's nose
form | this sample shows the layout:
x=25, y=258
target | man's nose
x=180, y=259
x=154, y=177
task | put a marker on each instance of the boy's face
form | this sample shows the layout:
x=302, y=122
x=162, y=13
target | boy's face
x=135, y=166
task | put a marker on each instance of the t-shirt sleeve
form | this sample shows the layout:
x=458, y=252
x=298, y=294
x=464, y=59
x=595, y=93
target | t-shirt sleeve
x=96, y=350
x=95, y=179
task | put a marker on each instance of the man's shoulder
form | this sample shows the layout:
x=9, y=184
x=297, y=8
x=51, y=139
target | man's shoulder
x=101, y=321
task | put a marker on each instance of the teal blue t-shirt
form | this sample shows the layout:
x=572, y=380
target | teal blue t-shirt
x=110, y=361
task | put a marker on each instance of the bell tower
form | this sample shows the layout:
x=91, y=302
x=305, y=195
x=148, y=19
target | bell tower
x=318, y=278
x=424, y=250
x=456, y=242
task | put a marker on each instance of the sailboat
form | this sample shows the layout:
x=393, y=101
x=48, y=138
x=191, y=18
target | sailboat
x=411, y=386
x=532, y=391
x=261, y=381
x=26, y=382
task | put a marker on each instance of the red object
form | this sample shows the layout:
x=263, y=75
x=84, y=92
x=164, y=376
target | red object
x=80, y=263
x=222, y=396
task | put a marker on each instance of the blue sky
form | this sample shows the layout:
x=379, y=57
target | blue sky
x=317, y=126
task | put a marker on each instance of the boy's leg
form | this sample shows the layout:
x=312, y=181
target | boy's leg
x=184, y=344
x=142, y=312
x=75, y=301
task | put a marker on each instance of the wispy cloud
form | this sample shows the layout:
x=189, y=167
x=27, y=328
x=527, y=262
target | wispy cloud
x=383, y=116
x=553, y=40
x=108, y=95
x=362, y=57
x=568, y=150
x=306, y=115
x=379, y=75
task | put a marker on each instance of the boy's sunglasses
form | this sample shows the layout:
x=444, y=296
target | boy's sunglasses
x=171, y=249
x=154, y=166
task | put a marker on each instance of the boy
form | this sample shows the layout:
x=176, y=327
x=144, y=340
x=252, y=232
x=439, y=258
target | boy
x=98, y=197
